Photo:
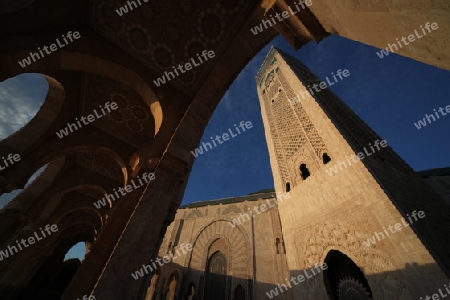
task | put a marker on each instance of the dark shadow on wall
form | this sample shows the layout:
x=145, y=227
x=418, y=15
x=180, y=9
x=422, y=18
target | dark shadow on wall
x=52, y=287
x=340, y=280
x=174, y=282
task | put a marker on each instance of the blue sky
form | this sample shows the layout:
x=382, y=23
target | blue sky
x=390, y=94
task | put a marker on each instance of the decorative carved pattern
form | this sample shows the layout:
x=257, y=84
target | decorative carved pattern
x=231, y=209
x=306, y=123
x=313, y=242
x=100, y=163
x=132, y=122
x=284, y=120
x=135, y=33
x=239, y=260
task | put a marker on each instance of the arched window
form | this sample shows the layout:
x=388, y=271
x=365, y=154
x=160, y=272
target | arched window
x=344, y=279
x=216, y=274
x=8, y=197
x=239, y=293
x=57, y=271
x=79, y=250
x=190, y=293
x=325, y=158
x=304, y=172
x=277, y=245
x=153, y=283
x=171, y=287
x=288, y=186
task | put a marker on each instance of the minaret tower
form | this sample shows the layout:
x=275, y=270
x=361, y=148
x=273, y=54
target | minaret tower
x=355, y=204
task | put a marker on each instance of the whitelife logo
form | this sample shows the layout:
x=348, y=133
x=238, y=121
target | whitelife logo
x=124, y=9
x=356, y=158
x=11, y=159
x=280, y=16
x=11, y=250
x=166, y=259
x=318, y=87
x=161, y=80
x=35, y=56
x=263, y=207
x=128, y=189
x=411, y=38
x=300, y=278
x=397, y=226
x=423, y=123
x=86, y=120
x=225, y=137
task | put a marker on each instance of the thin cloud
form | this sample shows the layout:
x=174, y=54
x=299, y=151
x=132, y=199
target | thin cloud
x=20, y=99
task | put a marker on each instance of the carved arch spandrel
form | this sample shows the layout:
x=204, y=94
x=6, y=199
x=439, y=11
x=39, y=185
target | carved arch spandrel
x=238, y=243
x=84, y=149
x=314, y=243
x=82, y=62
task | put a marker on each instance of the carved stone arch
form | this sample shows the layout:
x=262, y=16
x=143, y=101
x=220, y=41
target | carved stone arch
x=25, y=198
x=300, y=158
x=40, y=123
x=81, y=214
x=232, y=209
x=208, y=253
x=82, y=62
x=45, y=273
x=194, y=213
x=325, y=156
x=239, y=245
x=73, y=233
x=83, y=149
x=53, y=205
x=314, y=244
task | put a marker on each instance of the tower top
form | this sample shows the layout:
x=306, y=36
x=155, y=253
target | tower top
x=268, y=60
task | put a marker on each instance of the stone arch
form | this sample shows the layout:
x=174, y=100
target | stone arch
x=82, y=62
x=195, y=213
x=216, y=272
x=38, y=186
x=43, y=279
x=191, y=291
x=238, y=245
x=83, y=149
x=317, y=241
x=231, y=209
x=73, y=232
x=54, y=203
x=40, y=123
x=239, y=293
x=343, y=279
x=153, y=283
x=84, y=214
x=172, y=286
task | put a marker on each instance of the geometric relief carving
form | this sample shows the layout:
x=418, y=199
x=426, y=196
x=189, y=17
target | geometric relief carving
x=131, y=122
x=291, y=127
x=239, y=259
x=231, y=209
x=305, y=122
x=100, y=163
x=312, y=244
x=194, y=214
x=171, y=42
x=279, y=152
